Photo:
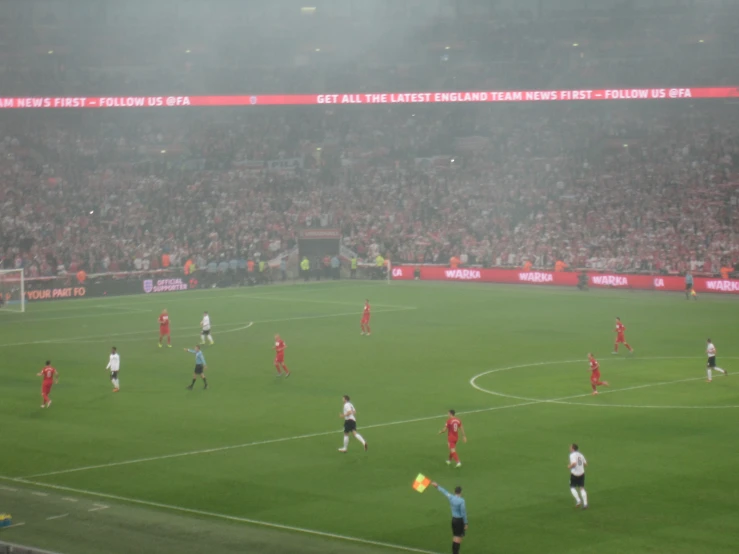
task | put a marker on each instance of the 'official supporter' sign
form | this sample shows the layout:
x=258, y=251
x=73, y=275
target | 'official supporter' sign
x=164, y=285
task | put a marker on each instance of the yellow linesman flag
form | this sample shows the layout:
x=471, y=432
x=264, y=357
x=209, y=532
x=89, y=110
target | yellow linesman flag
x=421, y=483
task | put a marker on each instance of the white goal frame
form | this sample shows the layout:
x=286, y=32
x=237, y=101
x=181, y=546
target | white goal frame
x=21, y=282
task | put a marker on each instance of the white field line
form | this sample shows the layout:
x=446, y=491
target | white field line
x=526, y=402
x=69, y=499
x=261, y=443
x=116, y=314
x=21, y=524
x=11, y=489
x=113, y=335
x=323, y=316
x=301, y=300
x=123, y=309
x=98, y=507
x=56, y=517
x=226, y=517
x=39, y=494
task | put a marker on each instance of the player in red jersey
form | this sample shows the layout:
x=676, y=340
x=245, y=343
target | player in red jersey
x=364, y=325
x=452, y=428
x=164, y=329
x=595, y=375
x=280, y=356
x=51, y=377
x=620, y=337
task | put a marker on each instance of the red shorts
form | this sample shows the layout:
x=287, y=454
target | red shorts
x=452, y=444
x=46, y=388
x=164, y=331
x=365, y=319
x=595, y=377
x=279, y=359
x=620, y=339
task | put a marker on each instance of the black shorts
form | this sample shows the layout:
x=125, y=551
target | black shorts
x=198, y=369
x=206, y=333
x=688, y=286
x=577, y=481
x=457, y=527
x=113, y=375
x=349, y=426
x=711, y=361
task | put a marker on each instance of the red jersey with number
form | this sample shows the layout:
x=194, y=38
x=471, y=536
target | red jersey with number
x=620, y=329
x=48, y=373
x=164, y=321
x=280, y=349
x=452, y=428
x=595, y=368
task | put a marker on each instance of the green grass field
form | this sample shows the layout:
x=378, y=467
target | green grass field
x=251, y=465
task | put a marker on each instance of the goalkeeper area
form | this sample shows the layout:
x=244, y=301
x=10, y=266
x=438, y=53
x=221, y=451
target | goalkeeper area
x=251, y=464
x=12, y=290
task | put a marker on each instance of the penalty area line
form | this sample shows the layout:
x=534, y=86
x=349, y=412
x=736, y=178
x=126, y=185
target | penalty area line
x=226, y=517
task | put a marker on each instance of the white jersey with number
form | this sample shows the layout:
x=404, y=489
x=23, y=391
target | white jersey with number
x=710, y=350
x=115, y=363
x=349, y=411
x=205, y=324
x=579, y=462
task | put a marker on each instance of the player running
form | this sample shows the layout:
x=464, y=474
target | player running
x=621, y=337
x=577, y=466
x=349, y=415
x=51, y=377
x=365, y=324
x=595, y=375
x=114, y=365
x=452, y=427
x=280, y=357
x=711, y=363
x=164, y=329
x=205, y=329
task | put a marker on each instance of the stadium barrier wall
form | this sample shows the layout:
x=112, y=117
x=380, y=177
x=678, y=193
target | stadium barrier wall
x=60, y=290
x=565, y=279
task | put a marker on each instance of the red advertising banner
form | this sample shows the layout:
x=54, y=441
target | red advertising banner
x=566, y=279
x=371, y=98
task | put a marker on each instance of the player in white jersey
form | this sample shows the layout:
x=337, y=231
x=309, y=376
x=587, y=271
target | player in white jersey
x=577, y=466
x=114, y=365
x=205, y=329
x=350, y=424
x=711, y=362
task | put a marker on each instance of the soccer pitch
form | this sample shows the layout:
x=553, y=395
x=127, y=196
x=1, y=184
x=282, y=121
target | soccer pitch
x=251, y=464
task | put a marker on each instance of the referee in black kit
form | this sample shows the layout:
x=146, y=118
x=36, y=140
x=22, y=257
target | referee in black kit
x=459, y=515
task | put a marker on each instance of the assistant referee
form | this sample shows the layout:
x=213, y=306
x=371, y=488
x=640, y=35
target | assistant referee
x=459, y=515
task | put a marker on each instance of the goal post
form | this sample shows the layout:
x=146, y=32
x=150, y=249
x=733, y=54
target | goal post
x=12, y=290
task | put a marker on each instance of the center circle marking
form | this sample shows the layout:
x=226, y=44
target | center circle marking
x=567, y=399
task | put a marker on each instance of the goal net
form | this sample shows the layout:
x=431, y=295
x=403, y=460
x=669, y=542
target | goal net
x=12, y=293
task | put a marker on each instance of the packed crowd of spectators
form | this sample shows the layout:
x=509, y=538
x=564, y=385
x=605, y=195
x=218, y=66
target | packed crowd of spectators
x=647, y=186
x=398, y=48
x=619, y=187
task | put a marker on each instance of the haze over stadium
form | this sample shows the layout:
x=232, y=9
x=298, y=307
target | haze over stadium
x=280, y=165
